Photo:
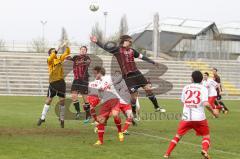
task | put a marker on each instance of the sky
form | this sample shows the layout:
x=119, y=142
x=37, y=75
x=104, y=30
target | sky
x=20, y=19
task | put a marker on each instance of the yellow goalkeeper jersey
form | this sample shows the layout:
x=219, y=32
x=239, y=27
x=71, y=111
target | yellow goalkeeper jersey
x=55, y=65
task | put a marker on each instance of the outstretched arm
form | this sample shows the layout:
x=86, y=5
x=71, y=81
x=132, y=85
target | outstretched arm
x=112, y=50
x=144, y=58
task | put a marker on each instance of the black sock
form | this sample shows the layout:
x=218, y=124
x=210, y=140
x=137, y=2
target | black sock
x=154, y=100
x=224, y=106
x=87, y=110
x=77, y=106
x=134, y=106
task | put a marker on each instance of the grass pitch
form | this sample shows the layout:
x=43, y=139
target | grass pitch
x=20, y=138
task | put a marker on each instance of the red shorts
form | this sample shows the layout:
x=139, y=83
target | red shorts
x=107, y=107
x=123, y=107
x=201, y=127
x=211, y=101
x=93, y=100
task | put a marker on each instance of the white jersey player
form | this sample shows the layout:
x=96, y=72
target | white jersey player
x=194, y=98
x=212, y=85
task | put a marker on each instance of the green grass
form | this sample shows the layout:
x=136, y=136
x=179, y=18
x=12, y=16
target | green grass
x=20, y=138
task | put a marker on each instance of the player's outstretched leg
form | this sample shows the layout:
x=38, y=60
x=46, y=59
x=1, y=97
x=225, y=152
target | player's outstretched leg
x=86, y=107
x=172, y=145
x=153, y=98
x=77, y=108
x=101, y=129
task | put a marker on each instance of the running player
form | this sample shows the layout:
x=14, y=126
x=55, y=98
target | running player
x=217, y=78
x=81, y=63
x=110, y=100
x=57, y=85
x=211, y=85
x=133, y=77
x=194, y=98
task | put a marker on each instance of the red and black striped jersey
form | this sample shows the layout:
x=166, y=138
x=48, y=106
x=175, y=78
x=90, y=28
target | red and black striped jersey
x=80, y=66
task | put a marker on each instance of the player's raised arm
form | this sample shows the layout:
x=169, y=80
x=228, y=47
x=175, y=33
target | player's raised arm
x=144, y=58
x=65, y=54
x=109, y=47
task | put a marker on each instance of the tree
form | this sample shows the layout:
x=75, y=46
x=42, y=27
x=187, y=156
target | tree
x=97, y=31
x=64, y=37
x=38, y=45
x=2, y=45
x=123, y=28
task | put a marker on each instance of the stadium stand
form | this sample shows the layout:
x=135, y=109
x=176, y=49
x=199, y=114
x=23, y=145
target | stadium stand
x=27, y=74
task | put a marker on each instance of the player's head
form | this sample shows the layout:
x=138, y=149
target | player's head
x=197, y=76
x=126, y=41
x=214, y=71
x=83, y=50
x=98, y=72
x=52, y=50
x=205, y=75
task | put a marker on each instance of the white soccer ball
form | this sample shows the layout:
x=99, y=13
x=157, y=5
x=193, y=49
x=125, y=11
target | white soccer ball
x=94, y=7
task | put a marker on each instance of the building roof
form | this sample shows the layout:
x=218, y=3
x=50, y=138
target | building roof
x=177, y=25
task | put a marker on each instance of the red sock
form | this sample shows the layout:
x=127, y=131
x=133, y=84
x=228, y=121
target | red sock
x=172, y=145
x=205, y=144
x=93, y=113
x=101, y=128
x=117, y=121
x=128, y=122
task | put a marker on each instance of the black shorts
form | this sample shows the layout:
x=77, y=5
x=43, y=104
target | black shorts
x=81, y=86
x=135, y=80
x=57, y=88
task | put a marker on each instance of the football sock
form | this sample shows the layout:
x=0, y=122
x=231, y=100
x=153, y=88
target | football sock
x=87, y=110
x=62, y=112
x=133, y=104
x=205, y=144
x=153, y=100
x=172, y=145
x=128, y=122
x=117, y=121
x=77, y=106
x=101, y=128
x=44, y=111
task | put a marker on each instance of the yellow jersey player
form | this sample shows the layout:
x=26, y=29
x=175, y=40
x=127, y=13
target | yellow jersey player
x=57, y=85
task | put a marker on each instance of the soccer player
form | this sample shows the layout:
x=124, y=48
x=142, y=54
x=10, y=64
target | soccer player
x=110, y=100
x=57, y=85
x=133, y=77
x=211, y=85
x=124, y=102
x=81, y=63
x=194, y=98
x=217, y=78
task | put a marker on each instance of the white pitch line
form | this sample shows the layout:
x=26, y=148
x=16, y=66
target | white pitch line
x=184, y=142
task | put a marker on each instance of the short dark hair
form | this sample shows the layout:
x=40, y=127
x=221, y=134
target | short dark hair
x=197, y=76
x=84, y=47
x=99, y=69
x=50, y=51
x=214, y=68
x=124, y=38
x=206, y=73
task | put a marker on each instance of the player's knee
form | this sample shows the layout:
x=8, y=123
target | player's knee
x=101, y=120
x=48, y=101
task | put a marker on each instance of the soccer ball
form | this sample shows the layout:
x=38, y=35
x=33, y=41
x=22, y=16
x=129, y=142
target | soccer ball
x=94, y=7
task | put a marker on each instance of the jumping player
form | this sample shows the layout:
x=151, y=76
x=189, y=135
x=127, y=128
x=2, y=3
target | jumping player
x=217, y=79
x=81, y=63
x=211, y=85
x=194, y=98
x=133, y=77
x=57, y=85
